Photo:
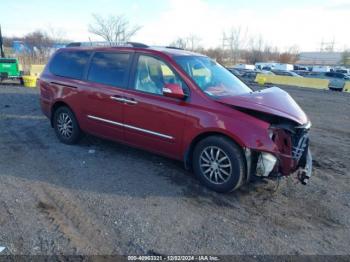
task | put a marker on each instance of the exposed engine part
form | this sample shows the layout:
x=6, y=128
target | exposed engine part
x=248, y=157
x=300, y=142
x=304, y=174
x=266, y=163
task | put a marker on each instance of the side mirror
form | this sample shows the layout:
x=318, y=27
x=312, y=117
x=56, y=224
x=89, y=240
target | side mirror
x=174, y=91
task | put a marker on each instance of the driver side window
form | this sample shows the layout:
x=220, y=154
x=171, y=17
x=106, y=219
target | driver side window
x=153, y=74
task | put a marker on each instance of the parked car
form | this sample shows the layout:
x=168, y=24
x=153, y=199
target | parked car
x=251, y=74
x=235, y=72
x=300, y=68
x=9, y=69
x=244, y=66
x=285, y=73
x=337, y=81
x=343, y=71
x=302, y=72
x=179, y=104
x=283, y=67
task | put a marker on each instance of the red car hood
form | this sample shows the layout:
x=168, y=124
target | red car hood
x=272, y=100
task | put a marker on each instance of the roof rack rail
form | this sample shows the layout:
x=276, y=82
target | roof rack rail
x=139, y=45
x=74, y=44
x=106, y=44
x=174, y=47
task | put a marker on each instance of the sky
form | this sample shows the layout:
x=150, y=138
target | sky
x=303, y=24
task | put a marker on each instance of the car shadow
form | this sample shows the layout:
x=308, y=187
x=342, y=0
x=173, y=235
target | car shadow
x=30, y=151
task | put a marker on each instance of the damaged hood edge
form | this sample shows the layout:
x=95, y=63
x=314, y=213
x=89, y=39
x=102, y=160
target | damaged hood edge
x=272, y=100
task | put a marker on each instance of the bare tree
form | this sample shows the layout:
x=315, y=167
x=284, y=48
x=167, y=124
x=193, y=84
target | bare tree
x=218, y=54
x=39, y=43
x=180, y=42
x=289, y=56
x=254, y=52
x=113, y=29
x=193, y=42
x=190, y=43
x=57, y=35
x=235, y=40
x=346, y=58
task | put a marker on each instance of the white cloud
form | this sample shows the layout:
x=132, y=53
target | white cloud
x=305, y=27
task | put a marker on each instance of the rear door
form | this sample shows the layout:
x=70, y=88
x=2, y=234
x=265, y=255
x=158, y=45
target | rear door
x=153, y=121
x=102, y=93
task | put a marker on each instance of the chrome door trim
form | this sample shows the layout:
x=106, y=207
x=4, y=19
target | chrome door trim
x=130, y=101
x=105, y=120
x=130, y=127
x=119, y=99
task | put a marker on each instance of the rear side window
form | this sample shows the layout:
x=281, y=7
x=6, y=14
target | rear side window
x=109, y=68
x=70, y=64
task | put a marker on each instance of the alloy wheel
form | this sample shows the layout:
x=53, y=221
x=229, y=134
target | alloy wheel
x=65, y=125
x=215, y=165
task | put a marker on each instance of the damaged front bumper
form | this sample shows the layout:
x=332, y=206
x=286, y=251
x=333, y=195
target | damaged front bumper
x=269, y=165
x=291, y=156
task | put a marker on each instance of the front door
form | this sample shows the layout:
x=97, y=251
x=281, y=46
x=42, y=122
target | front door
x=153, y=121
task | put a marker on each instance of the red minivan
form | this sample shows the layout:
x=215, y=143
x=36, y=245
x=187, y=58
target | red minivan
x=178, y=104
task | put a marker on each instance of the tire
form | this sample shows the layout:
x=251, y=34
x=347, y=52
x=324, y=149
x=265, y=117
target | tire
x=66, y=126
x=230, y=159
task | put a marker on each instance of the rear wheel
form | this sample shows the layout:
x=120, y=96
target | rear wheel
x=219, y=164
x=66, y=126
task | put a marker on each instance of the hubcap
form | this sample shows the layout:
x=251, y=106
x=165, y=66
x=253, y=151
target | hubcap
x=65, y=125
x=215, y=165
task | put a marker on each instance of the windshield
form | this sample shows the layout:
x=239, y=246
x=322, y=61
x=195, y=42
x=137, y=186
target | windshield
x=211, y=77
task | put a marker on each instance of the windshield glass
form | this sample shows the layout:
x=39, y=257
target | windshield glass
x=211, y=77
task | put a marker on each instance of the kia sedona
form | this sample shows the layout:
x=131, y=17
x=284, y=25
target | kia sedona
x=179, y=104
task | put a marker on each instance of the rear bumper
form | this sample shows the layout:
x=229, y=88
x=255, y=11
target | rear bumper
x=45, y=107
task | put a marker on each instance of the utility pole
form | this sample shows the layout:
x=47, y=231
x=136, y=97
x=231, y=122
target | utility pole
x=2, y=54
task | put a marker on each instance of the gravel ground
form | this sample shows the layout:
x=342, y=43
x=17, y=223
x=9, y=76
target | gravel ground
x=100, y=197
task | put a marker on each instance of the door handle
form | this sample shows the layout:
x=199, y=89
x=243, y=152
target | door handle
x=124, y=100
x=118, y=98
x=131, y=101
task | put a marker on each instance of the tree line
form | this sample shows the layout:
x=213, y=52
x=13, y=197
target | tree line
x=237, y=45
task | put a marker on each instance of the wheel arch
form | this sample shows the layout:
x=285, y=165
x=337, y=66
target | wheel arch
x=188, y=155
x=57, y=105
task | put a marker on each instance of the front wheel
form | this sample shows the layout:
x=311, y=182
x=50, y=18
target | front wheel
x=219, y=164
x=66, y=126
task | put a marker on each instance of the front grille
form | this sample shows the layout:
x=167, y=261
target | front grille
x=300, y=142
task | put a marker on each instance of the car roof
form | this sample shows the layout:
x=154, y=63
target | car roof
x=170, y=51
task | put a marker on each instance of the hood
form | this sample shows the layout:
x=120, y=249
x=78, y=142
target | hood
x=272, y=100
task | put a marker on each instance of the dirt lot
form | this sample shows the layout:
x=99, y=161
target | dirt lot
x=101, y=198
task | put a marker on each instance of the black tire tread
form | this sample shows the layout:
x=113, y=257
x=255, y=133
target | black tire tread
x=237, y=158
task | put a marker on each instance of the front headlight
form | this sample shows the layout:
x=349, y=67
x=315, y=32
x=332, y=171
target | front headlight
x=266, y=163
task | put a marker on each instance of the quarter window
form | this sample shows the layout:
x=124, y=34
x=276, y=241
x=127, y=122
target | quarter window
x=153, y=74
x=70, y=64
x=109, y=68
